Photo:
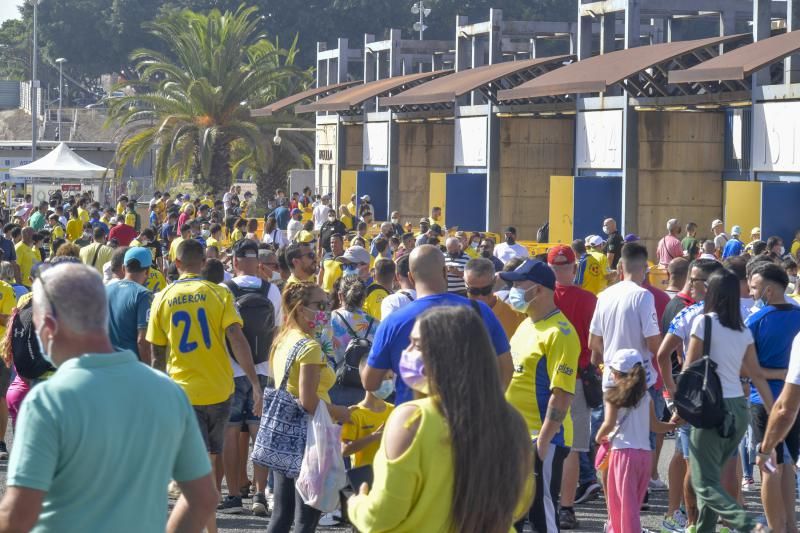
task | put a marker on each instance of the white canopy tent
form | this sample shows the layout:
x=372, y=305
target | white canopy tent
x=61, y=162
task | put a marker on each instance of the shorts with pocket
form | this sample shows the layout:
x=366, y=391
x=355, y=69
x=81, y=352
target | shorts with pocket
x=581, y=420
x=242, y=401
x=789, y=448
x=212, y=420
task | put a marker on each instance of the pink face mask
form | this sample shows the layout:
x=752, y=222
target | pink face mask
x=320, y=320
x=412, y=371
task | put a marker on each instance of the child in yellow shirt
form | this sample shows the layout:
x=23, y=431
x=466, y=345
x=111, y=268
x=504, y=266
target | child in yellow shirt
x=361, y=437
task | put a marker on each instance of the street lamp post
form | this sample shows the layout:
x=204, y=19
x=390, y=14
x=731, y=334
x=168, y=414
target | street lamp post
x=60, y=62
x=420, y=9
x=34, y=85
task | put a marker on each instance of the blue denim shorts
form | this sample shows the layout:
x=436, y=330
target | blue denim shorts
x=242, y=401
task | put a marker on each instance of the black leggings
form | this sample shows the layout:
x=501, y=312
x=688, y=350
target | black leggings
x=287, y=506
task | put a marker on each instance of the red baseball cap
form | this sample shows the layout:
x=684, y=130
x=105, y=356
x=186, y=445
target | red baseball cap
x=560, y=255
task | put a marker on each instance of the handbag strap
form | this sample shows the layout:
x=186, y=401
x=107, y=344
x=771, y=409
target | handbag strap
x=619, y=427
x=707, y=349
x=299, y=345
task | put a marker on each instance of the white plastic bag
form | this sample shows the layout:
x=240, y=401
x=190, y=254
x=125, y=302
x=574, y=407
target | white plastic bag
x=322, y=473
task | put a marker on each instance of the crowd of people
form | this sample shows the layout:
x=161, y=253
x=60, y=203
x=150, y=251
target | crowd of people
x=478, y=386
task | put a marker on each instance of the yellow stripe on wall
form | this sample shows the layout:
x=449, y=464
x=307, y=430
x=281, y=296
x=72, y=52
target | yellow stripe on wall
x=561, y=208
x=347, y=186
x=742, y=205
x=438, y=193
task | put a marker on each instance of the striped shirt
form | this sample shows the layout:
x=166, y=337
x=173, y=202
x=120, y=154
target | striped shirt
x=455, y=265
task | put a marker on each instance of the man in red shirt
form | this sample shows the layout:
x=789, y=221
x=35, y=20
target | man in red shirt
x=578, y=306
x=123, y=233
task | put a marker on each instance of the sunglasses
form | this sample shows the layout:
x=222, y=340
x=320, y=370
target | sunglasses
x=321, y=305
x=310, y=255
x=480, y=291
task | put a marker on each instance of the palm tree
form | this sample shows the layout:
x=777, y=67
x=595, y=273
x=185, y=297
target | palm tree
x=193, y=103
x=270, y=172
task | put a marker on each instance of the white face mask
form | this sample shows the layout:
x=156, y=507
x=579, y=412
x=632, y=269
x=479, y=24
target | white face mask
x=276, y=276
x=395, y=221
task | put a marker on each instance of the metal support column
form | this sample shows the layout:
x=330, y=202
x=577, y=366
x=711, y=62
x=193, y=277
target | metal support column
x=762, y=29
x=630, y=126
x=792, y=63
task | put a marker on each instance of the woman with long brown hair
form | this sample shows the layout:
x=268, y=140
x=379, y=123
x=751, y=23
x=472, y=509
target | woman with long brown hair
x=458, y=458
x=306, y=309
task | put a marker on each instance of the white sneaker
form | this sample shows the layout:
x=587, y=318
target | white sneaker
x=329, y=519
x=657, y=485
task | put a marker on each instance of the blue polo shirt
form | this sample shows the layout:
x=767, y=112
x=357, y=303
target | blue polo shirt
x=128, y=312
x=105, y=432
x=733, y=248
x=774, y=328
x=391, y=337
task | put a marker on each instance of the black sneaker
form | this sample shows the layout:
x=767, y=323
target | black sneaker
x=587, y=492
x=567, y=520
x=646, y=504
x=260, y=507
x=231, y=505
x=3, y=451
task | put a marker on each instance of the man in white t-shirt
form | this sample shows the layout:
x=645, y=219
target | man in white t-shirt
x=295, y=225
x=320, y=214
x=246, y=267
x=403, y=296
x=505, y=251
x=625, y=316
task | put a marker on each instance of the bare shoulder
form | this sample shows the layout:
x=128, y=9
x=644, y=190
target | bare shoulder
x=401, y=429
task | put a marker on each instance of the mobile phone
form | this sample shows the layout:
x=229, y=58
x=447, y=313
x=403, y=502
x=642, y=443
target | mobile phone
x=769, y=466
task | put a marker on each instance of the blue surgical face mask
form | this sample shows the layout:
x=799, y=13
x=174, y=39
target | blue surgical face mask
x=761, y=302
x=350, y=270
x=45, y=353
x=385, y=390
x=516, y=297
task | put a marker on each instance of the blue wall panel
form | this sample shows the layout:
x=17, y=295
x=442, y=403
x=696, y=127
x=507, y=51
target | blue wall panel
x=595, y=200
x=466, y=201
x=779, y=203
x=375, y=183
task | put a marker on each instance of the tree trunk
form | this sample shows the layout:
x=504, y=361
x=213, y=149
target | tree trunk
x=266, y=185
x=220, y=179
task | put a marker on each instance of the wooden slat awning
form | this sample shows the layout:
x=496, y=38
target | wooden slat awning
x=308, y=94
x=448, y=88
x=742, y=62
x=355, y=96
x=598, y=73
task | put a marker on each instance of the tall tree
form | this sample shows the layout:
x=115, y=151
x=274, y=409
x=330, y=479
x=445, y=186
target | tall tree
x=296, y=149
x=193, y=102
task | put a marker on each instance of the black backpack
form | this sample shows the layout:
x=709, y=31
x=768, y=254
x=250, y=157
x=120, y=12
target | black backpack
x=698, y=397
x=258, y=315
x=24, y=348
x=347, y=375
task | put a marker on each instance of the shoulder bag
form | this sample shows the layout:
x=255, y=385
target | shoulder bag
x=698, y=397
x=281, y=439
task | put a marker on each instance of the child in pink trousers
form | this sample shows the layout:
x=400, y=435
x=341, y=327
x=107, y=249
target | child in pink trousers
x=629, y=418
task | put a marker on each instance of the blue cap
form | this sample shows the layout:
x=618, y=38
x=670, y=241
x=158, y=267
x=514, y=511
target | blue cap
x=632, y=237
x=140, y=254
x=532, y=270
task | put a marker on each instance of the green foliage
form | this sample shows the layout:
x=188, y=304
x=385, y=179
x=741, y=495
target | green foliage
x=193, y=103
x=97, y=36
x=14, y=50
